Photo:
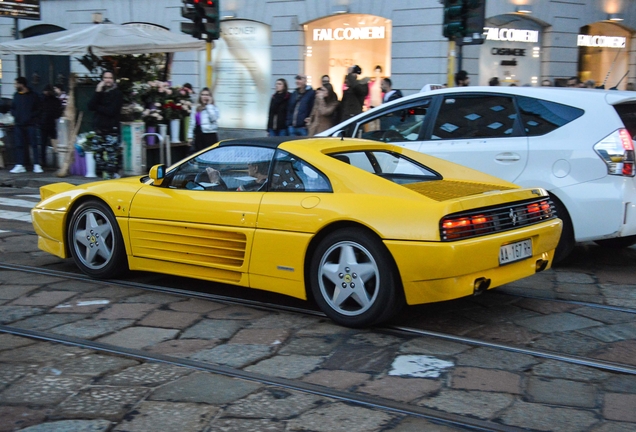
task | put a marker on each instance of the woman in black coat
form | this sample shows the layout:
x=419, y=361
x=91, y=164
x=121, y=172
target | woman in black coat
x=277, y=121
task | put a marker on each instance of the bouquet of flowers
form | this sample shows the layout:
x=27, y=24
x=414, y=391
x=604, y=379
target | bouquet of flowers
x=152, y=117
x=173, y=110
x=88, y=142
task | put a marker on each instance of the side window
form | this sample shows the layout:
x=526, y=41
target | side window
x=225, y=168
x=475, y=116
x=396, y=125
x=290, y=174
x=541, y=117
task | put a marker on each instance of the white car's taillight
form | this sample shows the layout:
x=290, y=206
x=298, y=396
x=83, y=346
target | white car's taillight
x=617, y=150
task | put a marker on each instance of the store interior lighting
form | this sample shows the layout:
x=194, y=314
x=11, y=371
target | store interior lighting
x=524, y=9
x=615, y=17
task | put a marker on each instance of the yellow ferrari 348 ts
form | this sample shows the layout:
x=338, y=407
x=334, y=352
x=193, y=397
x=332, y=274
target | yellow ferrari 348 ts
x=362, y=227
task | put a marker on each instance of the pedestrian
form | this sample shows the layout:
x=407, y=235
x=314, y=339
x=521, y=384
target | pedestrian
x=389, y=93
x=494, y=81
x=25, y=109
x=106, y=103
x=574, y=82
x=277, y=120
x=51, y=112
x=546, y=83
x=203, y=122
x=300, y=105
x=325, y=105
x=589, y=84
x=462, y=79
x=354, y=94
x=61, y=95
x=630, y=86
x=325, y=79
x=374, y=97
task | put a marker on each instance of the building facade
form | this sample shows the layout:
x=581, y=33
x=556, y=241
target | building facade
x=527, y=41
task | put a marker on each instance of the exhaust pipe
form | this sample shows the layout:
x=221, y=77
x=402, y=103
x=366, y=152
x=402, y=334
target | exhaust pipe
x=480, y=285
x=541, y=265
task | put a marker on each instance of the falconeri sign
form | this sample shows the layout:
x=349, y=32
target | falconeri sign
x=601, y=41
x=511, y=35
x=349, y=33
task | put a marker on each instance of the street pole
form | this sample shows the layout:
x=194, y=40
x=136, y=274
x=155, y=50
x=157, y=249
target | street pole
x=450, y=71
x=208, y=75
x=16, y=24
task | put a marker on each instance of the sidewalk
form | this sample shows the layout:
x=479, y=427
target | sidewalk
x=30, y=179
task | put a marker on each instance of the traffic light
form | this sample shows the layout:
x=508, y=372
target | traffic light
x=213, y=17
x=475, y=18
x=454, y=18
x=205, y=18
x=464, y=19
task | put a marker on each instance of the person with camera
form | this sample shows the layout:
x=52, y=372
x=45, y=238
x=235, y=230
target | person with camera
x=354, y=94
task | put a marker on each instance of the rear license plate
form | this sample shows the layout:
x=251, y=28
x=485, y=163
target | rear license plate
x=515, y=251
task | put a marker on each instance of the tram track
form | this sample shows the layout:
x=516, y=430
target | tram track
x=391, y=329
x=366, y=401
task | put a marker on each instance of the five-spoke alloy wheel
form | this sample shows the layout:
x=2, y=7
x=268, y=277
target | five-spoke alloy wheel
x=353, y=279
x=95, y=241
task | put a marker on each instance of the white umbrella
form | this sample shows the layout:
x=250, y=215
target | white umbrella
x=104, y=39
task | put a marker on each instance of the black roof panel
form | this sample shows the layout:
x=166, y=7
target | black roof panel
x=271, y=142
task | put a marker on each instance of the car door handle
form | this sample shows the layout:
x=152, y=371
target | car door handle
x=507, y=157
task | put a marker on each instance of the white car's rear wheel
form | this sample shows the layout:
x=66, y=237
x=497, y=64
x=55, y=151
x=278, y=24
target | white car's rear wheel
x=95, y=241
x=353, y=279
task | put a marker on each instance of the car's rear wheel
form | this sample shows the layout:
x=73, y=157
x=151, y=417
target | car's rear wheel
x=96, y=242
x=567, y=241
x=353, y=279
x=618, y=242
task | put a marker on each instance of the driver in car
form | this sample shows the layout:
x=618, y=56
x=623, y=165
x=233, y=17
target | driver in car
x=257, y=170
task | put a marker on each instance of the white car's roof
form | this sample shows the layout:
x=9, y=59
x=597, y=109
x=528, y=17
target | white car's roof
x=584, y=98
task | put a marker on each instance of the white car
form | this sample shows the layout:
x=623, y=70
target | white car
x=576, y=143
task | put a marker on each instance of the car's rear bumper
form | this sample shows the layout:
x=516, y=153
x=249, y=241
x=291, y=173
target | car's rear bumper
x=601, y=209
x=437, y=271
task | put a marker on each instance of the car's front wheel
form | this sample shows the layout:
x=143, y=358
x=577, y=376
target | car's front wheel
x=353, y=279
x=96, y=242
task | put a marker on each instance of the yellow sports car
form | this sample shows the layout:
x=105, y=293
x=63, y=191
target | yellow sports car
x=362, y=227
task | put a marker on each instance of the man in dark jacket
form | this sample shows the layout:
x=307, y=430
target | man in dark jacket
x=25, y=109
x=300, y=106
x=389, y=93
x=106, y=102
x=355, y=93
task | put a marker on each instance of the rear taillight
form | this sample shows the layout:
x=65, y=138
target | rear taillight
x=456, y=228
x=617, y=151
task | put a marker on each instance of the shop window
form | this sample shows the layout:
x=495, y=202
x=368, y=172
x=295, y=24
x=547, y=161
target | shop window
x=540, y=117
x=396, y=125
x=475, y=117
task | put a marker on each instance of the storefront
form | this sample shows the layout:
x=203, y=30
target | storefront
x=335, y=43
x=241, y=66
x=511, y=51
x=604, y=51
